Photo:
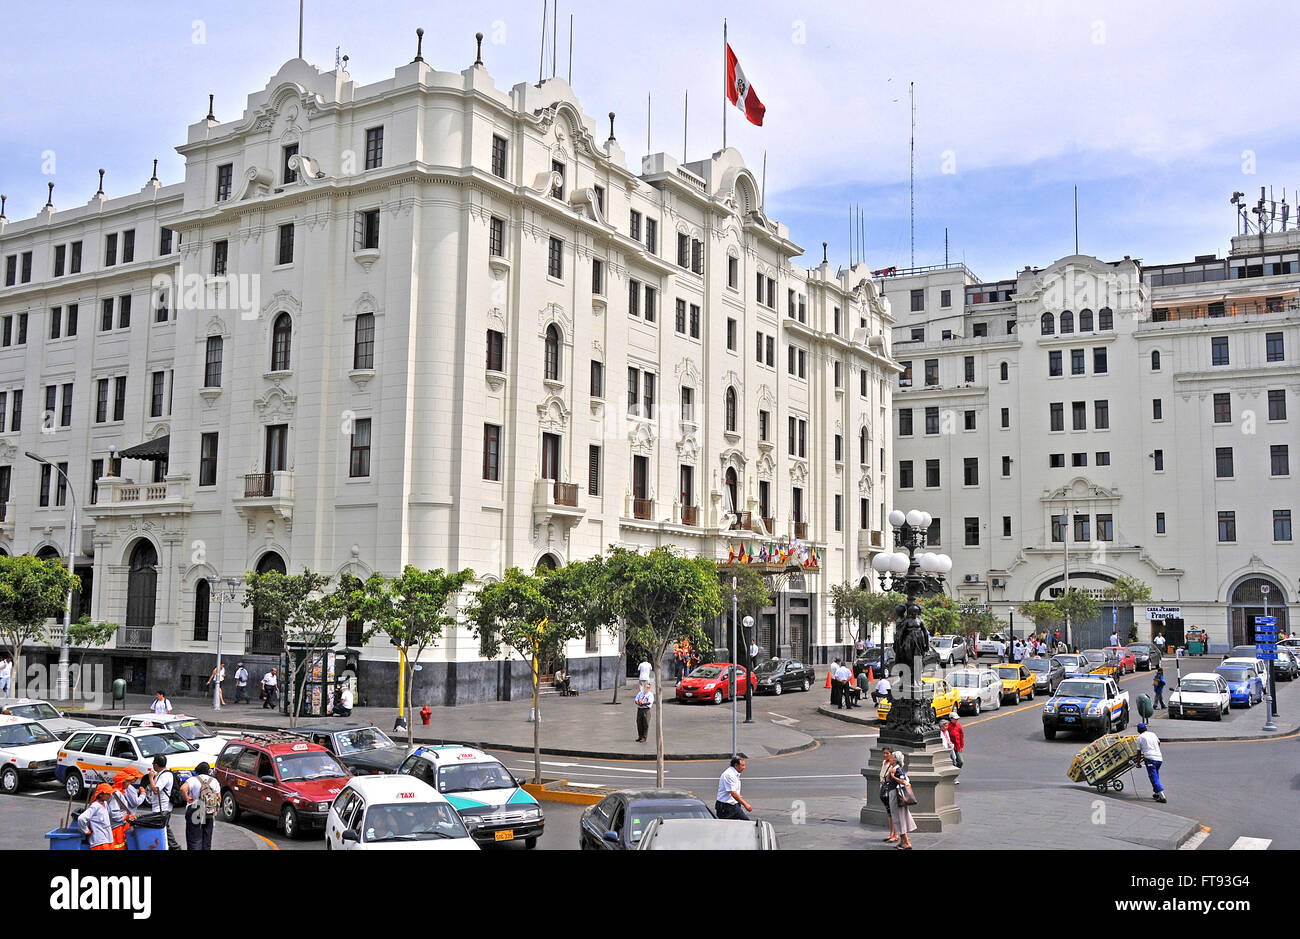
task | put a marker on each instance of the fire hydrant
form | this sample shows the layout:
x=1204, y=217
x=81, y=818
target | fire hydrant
x=425, y=713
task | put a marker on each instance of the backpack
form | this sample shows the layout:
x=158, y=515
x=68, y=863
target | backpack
x=208, y=796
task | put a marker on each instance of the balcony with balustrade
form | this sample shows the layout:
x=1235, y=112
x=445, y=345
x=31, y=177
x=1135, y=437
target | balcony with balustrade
x=265, y=494
x=870, y=542
x=559, y=502
x=119, y=498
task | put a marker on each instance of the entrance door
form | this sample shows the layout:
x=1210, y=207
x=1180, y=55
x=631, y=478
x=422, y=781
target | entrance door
x=277, y=448
x=640, y=477
x=551, y=456
x=141, y=591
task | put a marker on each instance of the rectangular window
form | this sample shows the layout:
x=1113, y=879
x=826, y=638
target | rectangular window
x=932, y=420
x=971, y=471
x=555, y=258
x=633, y=391
x=110, y=250
x=839, y=512
x=803, y=438
x=498, y=156
x=128, y=246
x=119, y=398
x=220, y=256
x=124, y=312
x=56, y=322
x=932, y=474
x=1279, y=456
x=905, y=376
x=51, y=403
x=21, y=337
x=74, y=261
x=225, y=175
x=1006, y=466
x=1160, y=523
x=790, y=437
x=695, y=323
x=597, y=276
x=972, y=531
x=65, y=409
x=652, y=235
x=688, y=403
x=1081, y=528
x=862, y=382
x=1056, y=414
x=1157, y=409
x=733, y=273
x=1219, y=351
x=1222, y=407
x=96, y=471
x=16, y=412
x=60, y=259
x=945, y=298
x=359, y=453
x=157, y=393
x=365, y=230
x=731, y=334
x=649, y=311
x=27, y=267
x=981, y=330
x=166, y=239
x=287, y=172
x=496, y=350
x=161, y=311
x=905, y=477
x=918, y=301
x=1076, y=362
x=697, y=256
x=597, y=380
x=634, y=297
x=1079, y=415
x=683, y=250
x=374, y=152
x=680, y=321
x=1277, y=404
x=496, y=237
x=1102, y=457
x=1281, y=524
x=968, y=419
x=1159, y=457
x=771, y=293
x=593, y=470
x=1006, y=417
x=970, y=368
x=764, y=425
x=634, y=225
x=208, y=460
x=771, y=352
x=46, y=472
x=492, y=452
x=905, y=422
x=1058, y=527
x=789, y=360
x=285, y=253
x=11, y=271
x=1275, y=351
x=106, y=314
x=931, y=372
x=796, y=504
x=758, y=284
x=212, y=363
x=1223, y=462
x=1101, y=415
x=1105, y=528
x=1099, y=361
x=934, y=534
x=1054, y=363
x=1227, y=526
x=648, y=398
x=1078, y=459
x=803, y=364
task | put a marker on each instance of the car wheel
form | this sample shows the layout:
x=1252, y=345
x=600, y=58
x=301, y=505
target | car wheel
x=777, y=689
x=1123, y=719
x=1218, y=714
x=1031, y=694
x=978, y=706
x=9, y=781
x=717, y=697
x=229, y=807
x=530, y=843
x=289, y=821
x=73, y=784
x=1049, y=733
x=804, y=686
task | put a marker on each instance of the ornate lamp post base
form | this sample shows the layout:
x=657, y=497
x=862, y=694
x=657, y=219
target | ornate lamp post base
x=930, y=770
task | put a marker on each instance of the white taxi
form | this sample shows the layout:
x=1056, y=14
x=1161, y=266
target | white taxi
x=394, y=813
x=89, y=757
x=28, y=752
x=493, y=804
x=191, y=729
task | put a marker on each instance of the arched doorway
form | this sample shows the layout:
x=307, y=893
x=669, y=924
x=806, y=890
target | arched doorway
x=547, y=562
x=265, y=638
x=1248, y=600
x=141, y=597
x=48, y=553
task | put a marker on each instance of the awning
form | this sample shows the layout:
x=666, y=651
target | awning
x=156, y=449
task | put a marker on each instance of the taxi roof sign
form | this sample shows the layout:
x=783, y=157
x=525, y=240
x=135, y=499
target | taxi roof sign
x=300, y=746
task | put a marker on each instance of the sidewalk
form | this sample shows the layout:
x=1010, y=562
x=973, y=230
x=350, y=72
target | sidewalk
x=584, y=726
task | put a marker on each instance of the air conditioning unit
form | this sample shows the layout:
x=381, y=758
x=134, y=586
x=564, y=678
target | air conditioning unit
x=972, y=578
x=999, y=581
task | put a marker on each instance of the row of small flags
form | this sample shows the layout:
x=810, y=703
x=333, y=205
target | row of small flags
x=775, y=553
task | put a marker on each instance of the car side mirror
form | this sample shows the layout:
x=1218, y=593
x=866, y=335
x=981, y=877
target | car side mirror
x=611, y=836
x=269, y=779
x=351, y=835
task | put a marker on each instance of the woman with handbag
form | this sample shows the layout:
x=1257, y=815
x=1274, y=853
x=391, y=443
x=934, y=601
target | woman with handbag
x=900, y=797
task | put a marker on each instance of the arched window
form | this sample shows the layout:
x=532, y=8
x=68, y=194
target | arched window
x=547, y=562
x=863, y=442
x=1005, y=370
x=1155, y=360
x=141, y=590
x=1085, y=321
x=268, y=563
x=552, y=353
x=733, y=490
x=1067, y=322
x=363, y=342
x=1048, y=325
x=202, y=602
x=281, y=336
x=1105, y=318
x=731, y=410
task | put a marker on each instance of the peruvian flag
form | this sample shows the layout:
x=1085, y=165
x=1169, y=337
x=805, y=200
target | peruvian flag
x=740, y=92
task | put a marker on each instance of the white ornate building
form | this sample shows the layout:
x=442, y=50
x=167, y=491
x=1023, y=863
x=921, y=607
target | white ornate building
x=1154, y=407
x=427, y=321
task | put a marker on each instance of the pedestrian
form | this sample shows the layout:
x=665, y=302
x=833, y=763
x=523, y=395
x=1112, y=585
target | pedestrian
x=1058, y=637
x=730, y=804
x=1158, y=685
x=269, y=682
x=1159, y=640
x=202, y=798
x=96, y=822
x=241, y=684
x=898, y=790
x=882, y=690
x=679, y=661
x=645, y=671
x=161, y=704
x=645, y=697
x=887, y=759
x=1002, y=651
x=6, y=673
x=122, y=802
x=1018, y=651
x=1114, y=638
x=216, y=678
x=837, y=689
x=860, y=646
x=346, y=700
x=957, y=735
x=848, y=694
x=1149, y=744
x=158, y=794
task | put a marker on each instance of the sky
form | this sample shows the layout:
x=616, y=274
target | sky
x=1157, y=111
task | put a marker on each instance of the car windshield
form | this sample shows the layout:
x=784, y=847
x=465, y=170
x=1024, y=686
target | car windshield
x=1199, y=686
x=943, y=642
x=316, y=764
x=706, y=671
x=20, y=735
x=364, y=738
x=766, y=668
x=474, y=777
x=1095, y=655
x=965, y=679
x=422, y=821
x=37, y=712
x=641, y=814
x=1081, y=689
x=1036, y=665
x=1068, y=660
x=1234, y=674
x=191, y=729
x=164, y=743
x=1139, y=647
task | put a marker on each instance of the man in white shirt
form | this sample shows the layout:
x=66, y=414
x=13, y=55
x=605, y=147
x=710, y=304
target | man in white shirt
x=1159, y=640
x=851, y=695
x=346, y=709
x=1002, y=651
x=161, y=704
x=645, y=697
x=241, y=684
x=1149, y=744
x=269, y=681
x=730, y=804
x=199, y=813
x=1114, y=639
x=882, y=690
x=645, y=671
x=158, y=786
x=6, y=673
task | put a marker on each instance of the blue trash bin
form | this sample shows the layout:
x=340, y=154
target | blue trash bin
x=147, y=833
x=67, y=839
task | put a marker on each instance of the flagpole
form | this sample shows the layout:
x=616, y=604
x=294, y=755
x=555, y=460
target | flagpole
x=686, y=115
x=726, y=92
x=762, y=201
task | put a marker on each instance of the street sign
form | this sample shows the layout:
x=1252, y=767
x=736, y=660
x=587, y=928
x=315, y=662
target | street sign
x=1266, y=656
x=1265, y=621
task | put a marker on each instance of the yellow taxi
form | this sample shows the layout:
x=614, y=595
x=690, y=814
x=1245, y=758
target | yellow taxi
x=946, y=699
x=1017, y=682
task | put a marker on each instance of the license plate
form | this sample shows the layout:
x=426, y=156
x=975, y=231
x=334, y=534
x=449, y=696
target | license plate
x=1068, y=720
x=1190, y=710
x=507, y=835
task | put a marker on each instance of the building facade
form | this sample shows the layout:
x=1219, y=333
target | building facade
x=426, y=321
x=1092, y=420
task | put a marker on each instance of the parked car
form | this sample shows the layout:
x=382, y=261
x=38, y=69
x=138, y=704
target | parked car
x=38, y=710
x=1074, y=663
x=708, y=834
x=493, y=804
x=951, y=649
x=1243, y=683
x=1251, y=662
x=1048, y=673
x=1287, y=664
x=989, y=644
x=363, y=748
x=871, y=659
x=1017, y=682
x=777, y=675
x=394, y=813
x=1102, y=662
x=90, y=757
x=1092, y=704
x=712, y=682
x=1201, y=694
x=191, y=729
x=279, y=775
x=945, y=698
x=1147, y=654
x=1127, y=660
x=977, y=689
x=618, y=821
x=28, y=752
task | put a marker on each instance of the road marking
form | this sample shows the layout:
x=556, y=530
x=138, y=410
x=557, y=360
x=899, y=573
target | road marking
x=846, y=736
x=615, y=769
x=274, y=846
x=782, y=719
x=1251, y=844
x=1198, y=839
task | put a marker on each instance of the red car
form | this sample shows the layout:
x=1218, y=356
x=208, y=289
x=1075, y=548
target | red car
x=280, y=775
x=712, y=682
x=1127, y=660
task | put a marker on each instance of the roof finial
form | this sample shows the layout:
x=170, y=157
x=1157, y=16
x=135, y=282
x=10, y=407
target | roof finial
x=49, y=202
x=419, y=45
x=611, y=125
x=154, y=177
x=823, y=252
x=3, y=200
x=101, y=183
x=211, y=116
x=478, y=58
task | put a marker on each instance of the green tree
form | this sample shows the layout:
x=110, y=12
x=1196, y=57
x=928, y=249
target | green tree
x=878, y=610
x=1045, y=614
x=663, y=598
x=87, y=635
x=940, y=615
x=981, y=622
x=32, y=590
x=1126, y=591
x=412, y=609
x=1076, y=607
x=306, y=612
x=847, y=603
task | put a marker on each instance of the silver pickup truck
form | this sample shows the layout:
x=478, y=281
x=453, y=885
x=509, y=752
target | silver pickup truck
x=1092, y=704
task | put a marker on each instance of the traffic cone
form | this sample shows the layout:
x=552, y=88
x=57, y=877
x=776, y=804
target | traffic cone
x=828, y=678
x=870, y=676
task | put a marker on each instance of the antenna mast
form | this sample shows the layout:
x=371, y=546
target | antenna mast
x=571, y=49
x=911, y=172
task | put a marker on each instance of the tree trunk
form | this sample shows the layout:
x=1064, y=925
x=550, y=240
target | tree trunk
x=537, y=727
x=619, y=678
x=410, y=697
x=659, y=733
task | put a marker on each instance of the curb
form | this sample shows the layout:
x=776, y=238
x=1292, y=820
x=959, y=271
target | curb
x=826, y=711
x=544, y=793
x=1278, y=734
